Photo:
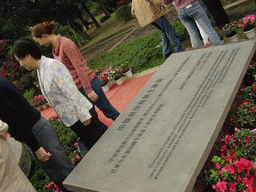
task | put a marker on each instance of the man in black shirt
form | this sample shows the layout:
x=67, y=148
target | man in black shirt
x=27, y=125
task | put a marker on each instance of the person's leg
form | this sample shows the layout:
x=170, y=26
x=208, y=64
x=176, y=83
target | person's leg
x=89, y=134
x=166, y=50
x=169, y=31
x=59, y=165
x=102, y=103
x=203, y=34
x=191, y=27
x=200, y=16
x=219, y=14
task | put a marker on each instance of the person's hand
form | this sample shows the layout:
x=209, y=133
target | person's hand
x=162, y=7
x=42, y=155
x=85, y=123
x=93, y=96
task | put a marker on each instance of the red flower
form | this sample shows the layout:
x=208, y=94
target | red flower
x=252, y=108
x=254, y=89
x=248, y=139
x=239, y=178
x=245, y=103
x=224, y=148
x=232, y=187
x=228, y=137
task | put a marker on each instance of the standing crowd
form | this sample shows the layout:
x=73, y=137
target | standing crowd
x=73, y=90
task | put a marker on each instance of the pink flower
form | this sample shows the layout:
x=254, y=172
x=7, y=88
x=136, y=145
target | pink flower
x=78, y=157
x=50, y=185
x=240, y=25
x=220, y=186
x=245, y=20
x=237, y=130
x=76, y=144
x=252, y=108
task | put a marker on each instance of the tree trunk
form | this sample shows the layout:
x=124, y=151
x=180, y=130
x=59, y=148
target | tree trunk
x=90, y=14
x=79, y=29
x=103, y=8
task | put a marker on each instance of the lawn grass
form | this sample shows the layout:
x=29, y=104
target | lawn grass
x=140, y=53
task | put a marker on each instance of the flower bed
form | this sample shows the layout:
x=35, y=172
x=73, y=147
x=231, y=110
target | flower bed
x=229, y=165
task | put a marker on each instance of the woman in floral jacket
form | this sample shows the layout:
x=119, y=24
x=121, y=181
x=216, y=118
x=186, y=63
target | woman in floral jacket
x=60, y=91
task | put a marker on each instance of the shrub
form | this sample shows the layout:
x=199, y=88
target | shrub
x=23, y=79
x=123, y=13
x=244, y=116
x=4, y=49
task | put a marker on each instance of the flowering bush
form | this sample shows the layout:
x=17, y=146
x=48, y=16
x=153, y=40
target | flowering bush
x=115, y=74
x=230, y=29
x=103, y=80
x=4, y=49
x=231, y=173
x=242, y=143
x=250, y=76
x=249, y=93
x=248, y=22
x=38, y=100
x=125, y=67
x=244, y=116
x=23, y=79
x=234, y=171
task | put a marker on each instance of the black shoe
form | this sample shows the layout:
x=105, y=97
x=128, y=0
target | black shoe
x=82, y=147
x=168, y=54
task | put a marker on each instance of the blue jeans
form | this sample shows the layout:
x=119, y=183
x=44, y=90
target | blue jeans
x=59, y=165
x=168, y=35
x=188, y=17
x=102, y=102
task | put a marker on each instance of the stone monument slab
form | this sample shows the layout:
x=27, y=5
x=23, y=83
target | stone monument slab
x=162, y=139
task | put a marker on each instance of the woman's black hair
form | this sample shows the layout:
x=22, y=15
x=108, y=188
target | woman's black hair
x=25, y=46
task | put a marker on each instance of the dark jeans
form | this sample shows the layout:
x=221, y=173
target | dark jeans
x=168, y=35
x=59, y=165
x=102, y=102
x=91, y=133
